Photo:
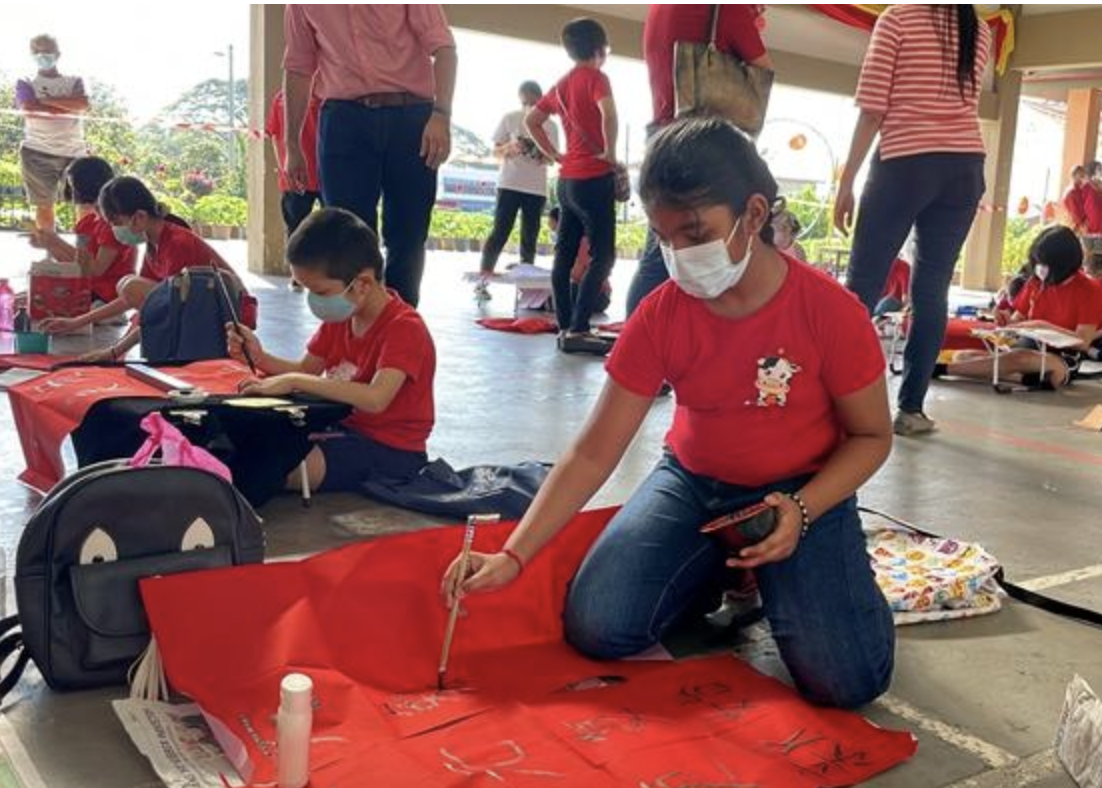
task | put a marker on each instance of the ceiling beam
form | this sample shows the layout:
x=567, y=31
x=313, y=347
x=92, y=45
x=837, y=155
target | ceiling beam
x=542, y=23
x=1063, y=40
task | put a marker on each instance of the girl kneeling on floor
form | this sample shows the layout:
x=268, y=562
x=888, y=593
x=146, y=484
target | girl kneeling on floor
x=780, y=392
x=1060, y=296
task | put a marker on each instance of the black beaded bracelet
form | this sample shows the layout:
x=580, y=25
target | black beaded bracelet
x=805, y=518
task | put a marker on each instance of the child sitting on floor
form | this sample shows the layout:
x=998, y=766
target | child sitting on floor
x=102, y=258
x=1058, y=296
x=372, y=351
x=136, y=217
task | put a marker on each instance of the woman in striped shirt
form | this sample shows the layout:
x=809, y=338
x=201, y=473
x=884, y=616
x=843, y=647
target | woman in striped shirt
x=919, y=89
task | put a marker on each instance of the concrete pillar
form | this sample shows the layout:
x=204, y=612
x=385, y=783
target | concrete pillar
x=984, y=248
x=265, y=229
x=1080, y=130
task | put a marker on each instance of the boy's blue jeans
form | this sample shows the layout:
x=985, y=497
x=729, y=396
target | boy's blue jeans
x=828, y=617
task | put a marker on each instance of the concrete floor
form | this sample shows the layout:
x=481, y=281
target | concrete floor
x=983, y=696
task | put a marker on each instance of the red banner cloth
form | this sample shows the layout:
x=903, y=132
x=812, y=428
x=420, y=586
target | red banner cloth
x=536, y=325
x=42, y=362
x=50, y=407
x=863, y=17
x=519, y=325
x=959, y=336
x=366, y=623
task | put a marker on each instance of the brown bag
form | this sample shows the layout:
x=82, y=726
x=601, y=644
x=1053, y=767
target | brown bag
x=712, y=83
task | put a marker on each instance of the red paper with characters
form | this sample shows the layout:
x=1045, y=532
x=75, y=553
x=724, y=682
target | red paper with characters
x=47, y=409
x=366, y=623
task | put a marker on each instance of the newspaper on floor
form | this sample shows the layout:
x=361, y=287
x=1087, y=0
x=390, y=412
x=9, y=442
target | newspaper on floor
x=178, y=743
x=1079, y=735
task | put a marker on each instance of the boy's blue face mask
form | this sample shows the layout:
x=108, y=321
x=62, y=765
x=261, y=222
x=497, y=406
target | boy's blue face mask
x=331, y=309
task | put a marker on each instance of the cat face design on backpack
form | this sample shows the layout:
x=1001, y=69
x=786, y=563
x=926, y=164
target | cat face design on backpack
x=774, y=382
x=99, y=547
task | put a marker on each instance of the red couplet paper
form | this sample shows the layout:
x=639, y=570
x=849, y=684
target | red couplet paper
x=520, y=706
x=50, y=407
x=43, y=362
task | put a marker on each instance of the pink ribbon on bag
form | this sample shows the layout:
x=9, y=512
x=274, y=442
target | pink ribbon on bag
x=175, y=449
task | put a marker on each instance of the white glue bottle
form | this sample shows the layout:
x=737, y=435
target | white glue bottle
x=293, y=723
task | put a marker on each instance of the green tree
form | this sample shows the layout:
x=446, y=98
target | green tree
x=209, y=102
x=108, y=130
x=11, y=126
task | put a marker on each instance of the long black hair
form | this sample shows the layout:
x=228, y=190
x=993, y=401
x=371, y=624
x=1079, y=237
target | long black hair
x=962, y=18
x=701, y=162
x=1060, y=249
x=126, y=195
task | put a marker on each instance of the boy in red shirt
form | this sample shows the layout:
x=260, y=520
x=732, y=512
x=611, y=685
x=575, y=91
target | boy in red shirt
x=372, y=351
x=298, y=200
x=587, y=183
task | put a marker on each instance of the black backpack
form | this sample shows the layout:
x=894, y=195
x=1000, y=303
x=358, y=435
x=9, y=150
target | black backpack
x=80, y=558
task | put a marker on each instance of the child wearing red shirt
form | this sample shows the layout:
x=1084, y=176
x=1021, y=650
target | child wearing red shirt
x=1073, y=199
x=781, y=398
x=897, y=289
x=372, y=351
x=170, y=246
x=296, y=204
x=103, y=258
x=1059, y=295
x=587, y=184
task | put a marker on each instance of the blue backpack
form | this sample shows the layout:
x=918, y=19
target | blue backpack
x=184, y=317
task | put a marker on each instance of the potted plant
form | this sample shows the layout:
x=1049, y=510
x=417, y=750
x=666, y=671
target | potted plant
x=222, y=212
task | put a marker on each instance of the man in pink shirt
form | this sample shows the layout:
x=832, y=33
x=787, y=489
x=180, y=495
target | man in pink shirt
x=386, y=76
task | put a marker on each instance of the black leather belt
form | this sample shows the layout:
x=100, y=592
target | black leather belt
x=396, y=99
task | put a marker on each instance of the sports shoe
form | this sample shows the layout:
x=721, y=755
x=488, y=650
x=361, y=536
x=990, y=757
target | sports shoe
x=908, y=424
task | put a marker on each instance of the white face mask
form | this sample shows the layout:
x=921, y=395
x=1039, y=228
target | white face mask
x=1041, y=272
x=706, y=271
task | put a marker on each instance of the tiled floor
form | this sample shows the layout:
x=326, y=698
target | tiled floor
x=1010, y=472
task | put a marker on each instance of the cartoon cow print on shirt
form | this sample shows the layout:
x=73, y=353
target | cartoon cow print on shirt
x=775, y=375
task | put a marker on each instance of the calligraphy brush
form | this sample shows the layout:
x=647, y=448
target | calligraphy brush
x=461, y=575
x=236, y=322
